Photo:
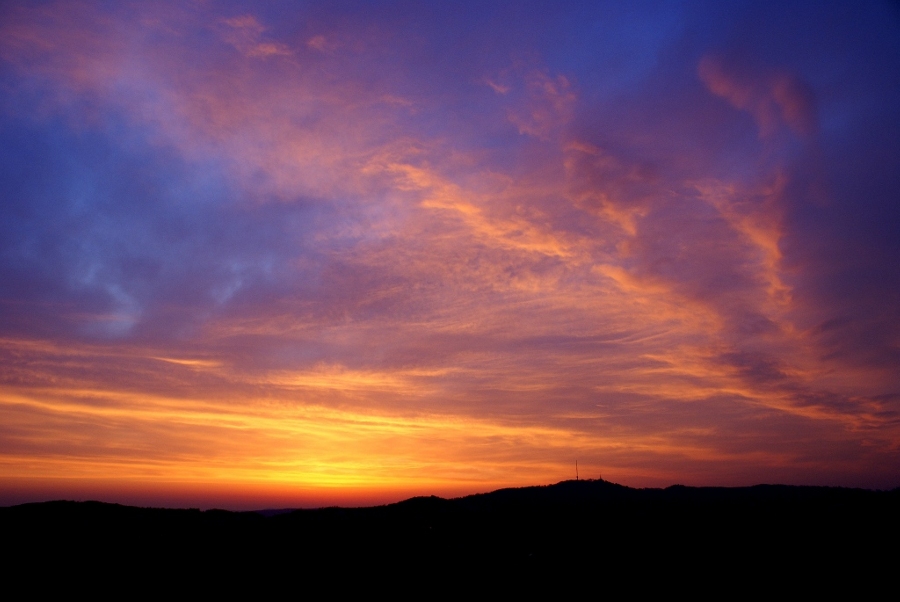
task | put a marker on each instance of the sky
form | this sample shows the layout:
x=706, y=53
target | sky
x=293, y=254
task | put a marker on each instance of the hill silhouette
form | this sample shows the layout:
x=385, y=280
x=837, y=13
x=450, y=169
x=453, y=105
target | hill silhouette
x=676, y=537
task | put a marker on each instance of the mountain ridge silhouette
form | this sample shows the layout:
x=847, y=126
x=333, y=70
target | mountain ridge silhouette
x=581, y=489
x=530, y=535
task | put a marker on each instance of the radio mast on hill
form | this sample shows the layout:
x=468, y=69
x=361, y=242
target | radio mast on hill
x=576, y=470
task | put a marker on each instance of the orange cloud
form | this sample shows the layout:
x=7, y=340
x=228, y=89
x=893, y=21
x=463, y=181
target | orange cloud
x=450, y=311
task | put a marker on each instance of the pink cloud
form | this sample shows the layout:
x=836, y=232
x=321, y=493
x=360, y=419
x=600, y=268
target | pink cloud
x=775, y=99
x=547, y=104
x=409, y=285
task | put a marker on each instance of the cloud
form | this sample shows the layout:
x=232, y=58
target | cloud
x=320, y=43
x=246, y=33
x=546, y=107
x=776, y=99
x=408, y=256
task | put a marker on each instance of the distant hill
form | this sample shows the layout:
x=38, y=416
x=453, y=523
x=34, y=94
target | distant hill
x=531, y=535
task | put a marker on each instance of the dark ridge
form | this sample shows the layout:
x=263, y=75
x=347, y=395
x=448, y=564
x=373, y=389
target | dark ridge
x=679, y=536
x=267, y=512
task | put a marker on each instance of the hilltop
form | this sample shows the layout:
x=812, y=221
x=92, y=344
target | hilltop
x=533, y=533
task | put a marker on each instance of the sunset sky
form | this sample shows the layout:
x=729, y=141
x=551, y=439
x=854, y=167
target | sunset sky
x=266, y=254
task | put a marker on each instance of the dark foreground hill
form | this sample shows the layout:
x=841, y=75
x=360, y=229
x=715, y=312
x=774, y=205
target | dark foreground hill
x=679, y=537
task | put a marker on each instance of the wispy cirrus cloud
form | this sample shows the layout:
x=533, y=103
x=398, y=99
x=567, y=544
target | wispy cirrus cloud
x=334, y=251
